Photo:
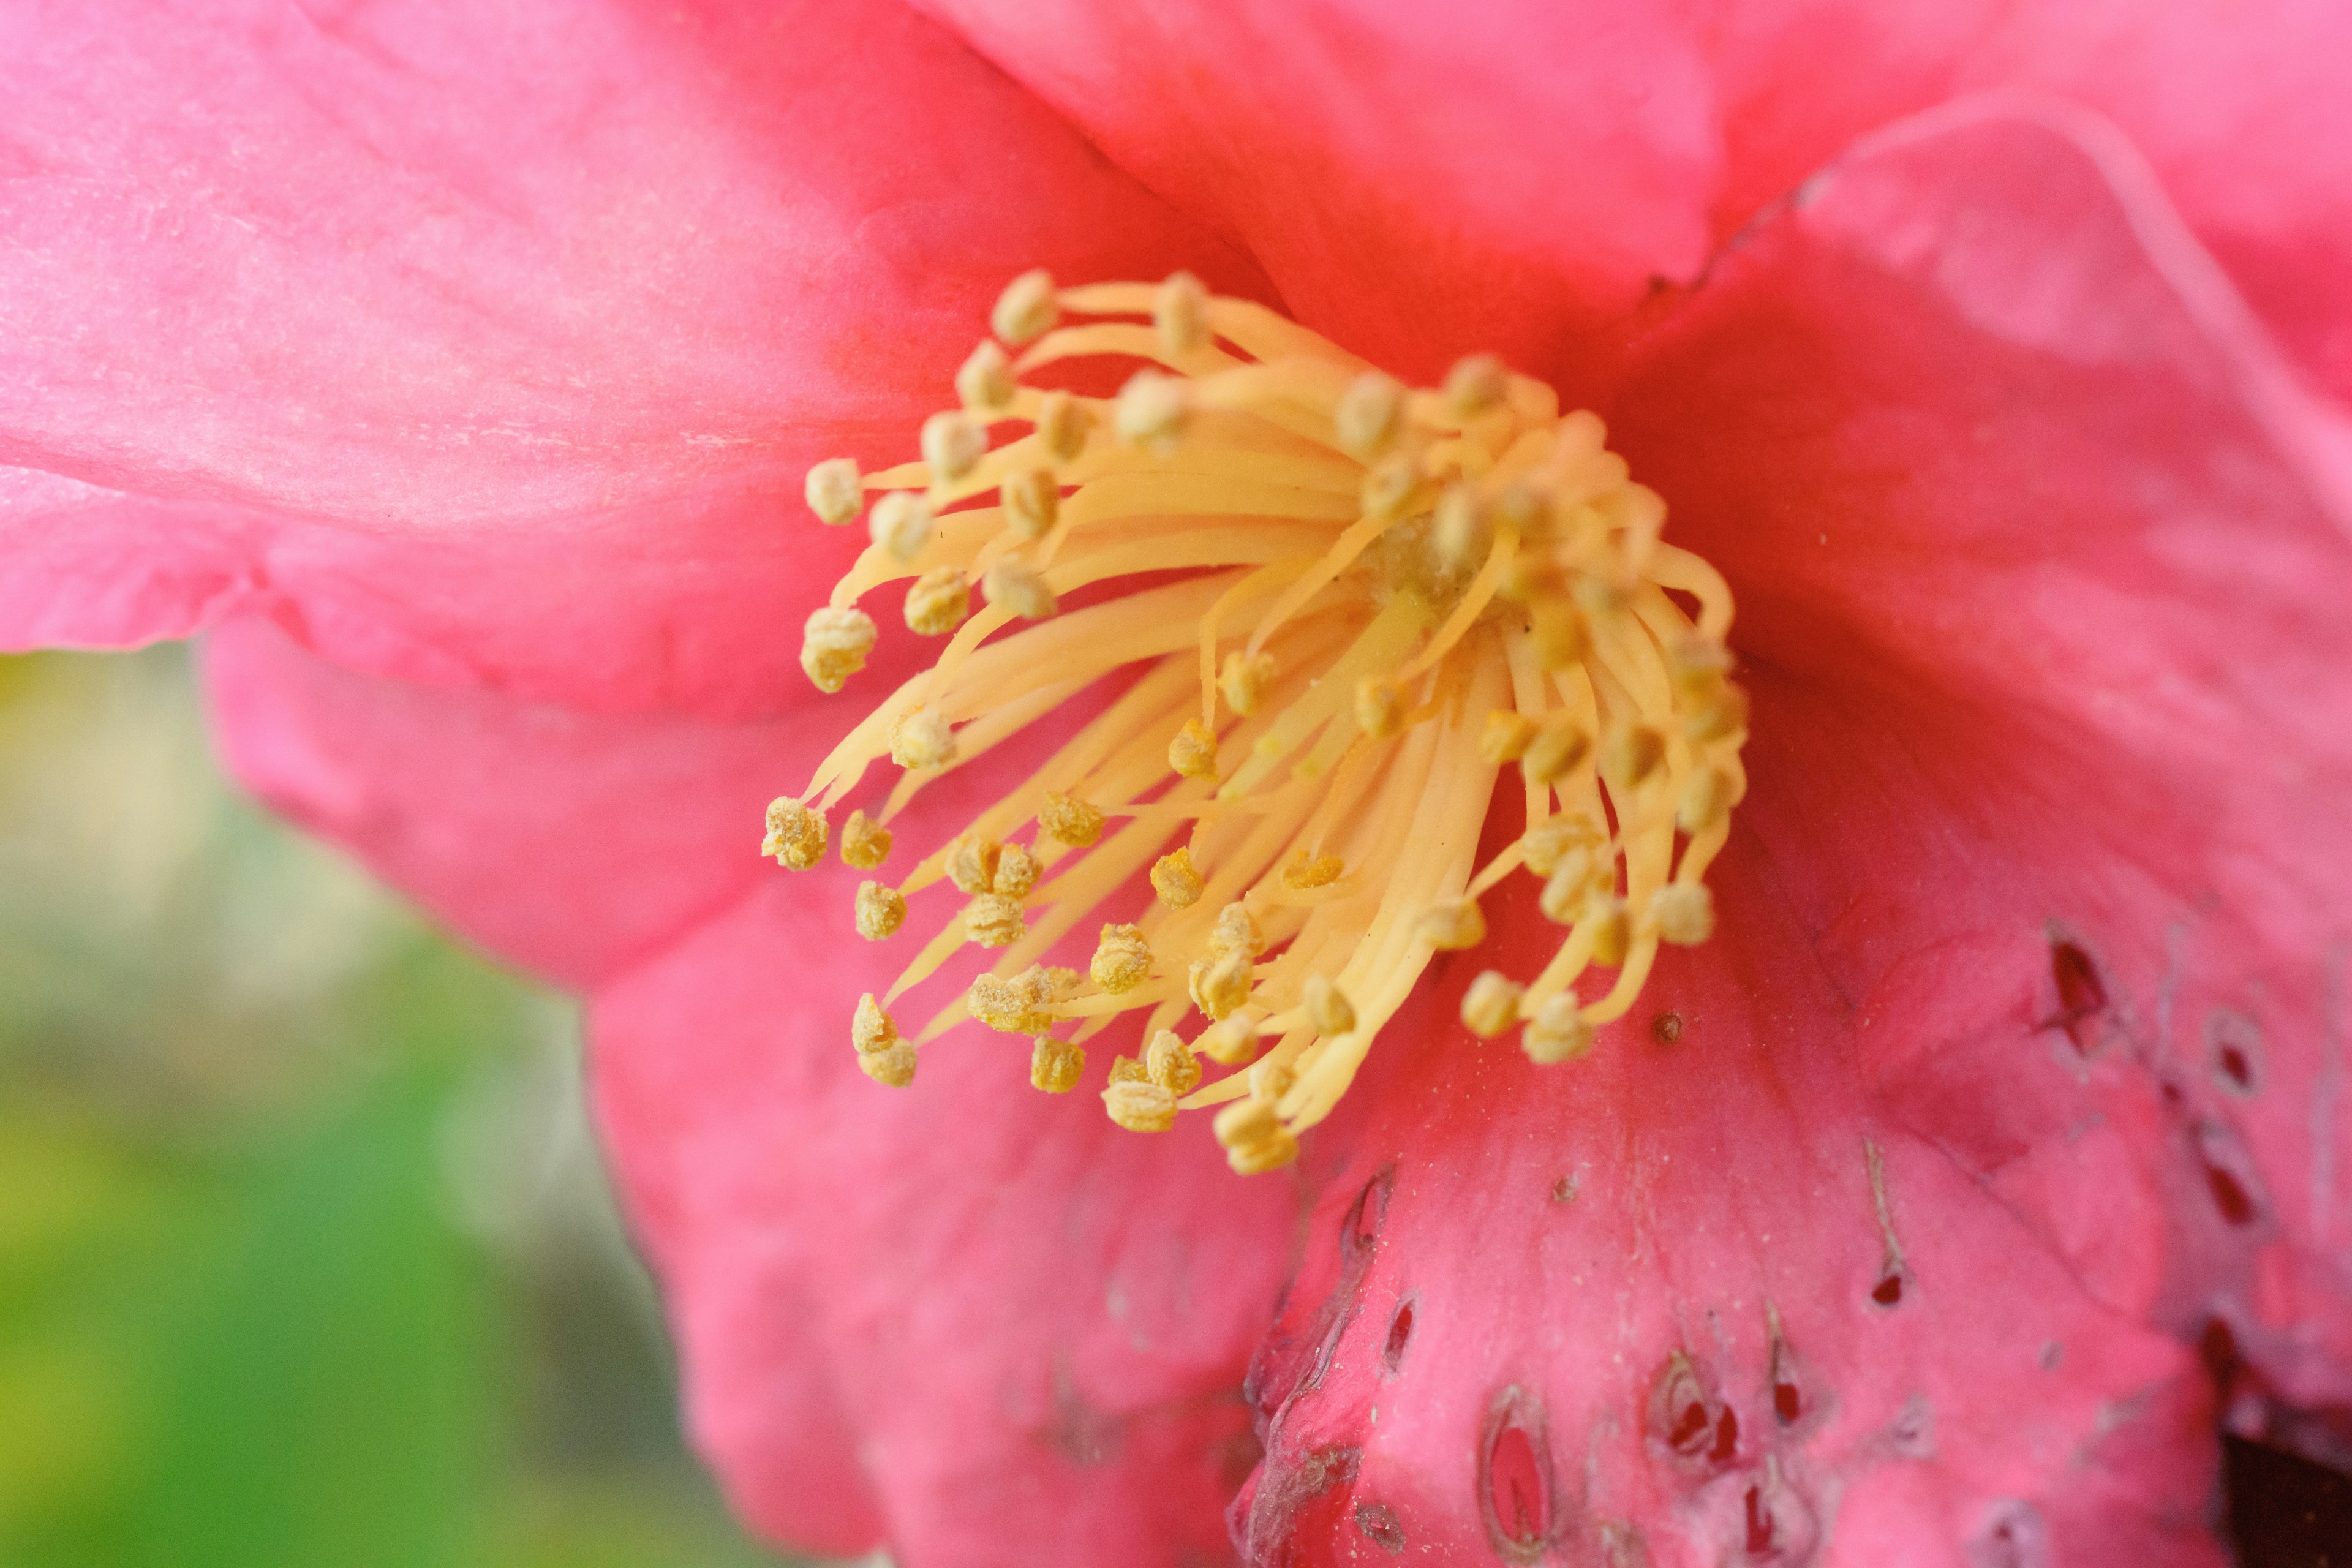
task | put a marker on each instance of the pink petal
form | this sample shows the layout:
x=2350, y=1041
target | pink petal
x=1935, y=1167
x=1424, y=180
x=492, y=343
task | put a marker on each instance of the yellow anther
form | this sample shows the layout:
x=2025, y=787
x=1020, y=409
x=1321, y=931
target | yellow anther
x=1492, y=1004
x=1193, y=752
x=1126, y=1070
x=1150, y=410
x=1684, y=913
x=1031, y=499
x=833, y=490
x=1557, y=1032
x=922, y=740
x=1380, y=708
x=972, y=863
x=1230, y=1041
x=1062, y=425
x=1612, y=929
x=1171, y=1064
x=1506, y=736
x=1576, y=878
x=1055, y=1066
x=1028, y=309
x=1463, y=534
x=1236, y=932
x=1242, y=681
x=1016, y=871
x=1555, y=752
x=1633, y=753
x=1522, y=509
x=1253, y=1137
x=1597, y=595
x=1219, y=985
x=870, y=1028
x=1143, y=1107
x=1303, y=873
x=1698, y=666
x=1270, y=1154
x=937, y=602
x=992, y=920
x=1559, y=633
x=1069, y=820
x=1388, y=485
x=900, y=524
x=1270, y=1078
x=834, y=646
x=1544, y=845
x=1450, y=926
x=865, y=843
x=892, y=1068
x=1049, y=981
x=1475, y=386
x=952, y=445
x=1724, y=716
x=1007, y=1006
x=1015, y=586
x=1707, y=799
x=985, y=381
x=1328, y=1007
x=1175, y=880
x=1179, y=312
x=1122, y=959
x=796, y=834
x=1368, y=416
x=881, y=910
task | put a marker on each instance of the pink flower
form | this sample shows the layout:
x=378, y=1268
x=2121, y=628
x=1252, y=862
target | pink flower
x=456, y=372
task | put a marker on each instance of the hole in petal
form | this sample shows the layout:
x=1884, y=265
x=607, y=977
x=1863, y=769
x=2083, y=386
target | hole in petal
x=1514, y=1480
x=2233, y=1043
x=2013, y=1536
x=1687, y=1420
x=1667, y=1027
x=2081, y=994
x=1762, y=1539
x=2229, y=1175
x=1726, y=1438
x=1399, y=1335
x=1888, y=1291
x=1361, y=1229
x=1780, y=1524
x=1378, y=1521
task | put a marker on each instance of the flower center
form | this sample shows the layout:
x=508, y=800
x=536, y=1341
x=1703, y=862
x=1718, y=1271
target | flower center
x=1390, y=599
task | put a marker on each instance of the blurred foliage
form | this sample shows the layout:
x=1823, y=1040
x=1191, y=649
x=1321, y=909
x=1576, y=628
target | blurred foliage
x=306, y=1259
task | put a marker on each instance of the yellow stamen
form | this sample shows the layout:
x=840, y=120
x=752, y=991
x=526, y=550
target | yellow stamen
x=1370, y=602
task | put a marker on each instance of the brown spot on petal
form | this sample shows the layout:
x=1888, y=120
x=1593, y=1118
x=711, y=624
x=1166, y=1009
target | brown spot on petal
x=1378, y=1521
x=2233, y=1045
x=2228, y=1174
x=1400, y=1336
x=1514, y=1478
x=2013, y=1536
x=2081, y=994
x=1667, y=1027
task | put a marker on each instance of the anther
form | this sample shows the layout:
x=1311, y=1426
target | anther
x=796, y=834
x=1507, y=736
x=1727, y=715
x=1062, y=425
x=1171, y=1064
x=1243, y=681
x=1463, y=534
x=1380, y=708
x=1555, y=752
x=1055, y=1066
x=1557, y=1032
x=1141, y=1107
x=972, y=863
x=1015, y=586
x=1270, y=1078
x=1122, y=959
x=1388, y=485
x=900, y=524
x=881, y=910
x=834, y=646
x=1303, y=873
x=1128, y=1069
x=1236, y=932
x=1179, y=312
x=1706, y=797
x=952, y=445
x=1633, y=754
x=865, y=843
x=1698, y=666
x=1452, y=927
x=888, y=1060
x=1684, y=913
x=1253, y=1137
x=1328, y=1007
x=937, y=602
x=1031, y=499
x=1150, y=410
x=922, y=740
x=871, y=1028
x=985, y=381
x=1069, y=820
x=1544, y=845
x=1473, y=386
x=1612, y=929
x=1230, y=1041
x=1193, y=752
x=1017, y=871
x=1559, y=633
x=992, y=920
x=1028, y=309
x=833, y=490
x=1576, y=877
x=1175, y=880
x=1491, y=1005
x=1218, y=985
x=1005, y=1006
x=1368, y=416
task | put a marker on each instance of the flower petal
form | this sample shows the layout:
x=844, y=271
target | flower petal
x=1426, y=181
x=556, y=302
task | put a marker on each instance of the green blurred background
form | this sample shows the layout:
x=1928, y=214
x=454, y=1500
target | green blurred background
x=305, y=1254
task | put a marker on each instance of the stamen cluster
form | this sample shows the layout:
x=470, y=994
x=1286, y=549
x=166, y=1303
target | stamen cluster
x=1388, y=599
